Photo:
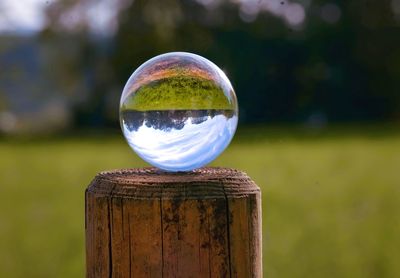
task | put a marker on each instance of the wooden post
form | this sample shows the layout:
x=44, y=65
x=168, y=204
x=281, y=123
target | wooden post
x=148, y=223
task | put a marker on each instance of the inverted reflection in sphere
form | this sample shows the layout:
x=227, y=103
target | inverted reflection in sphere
x=178, y=111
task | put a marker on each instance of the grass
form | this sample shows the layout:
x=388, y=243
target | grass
x=331, y=200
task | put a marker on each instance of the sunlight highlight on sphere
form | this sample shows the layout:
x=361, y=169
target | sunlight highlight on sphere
x=178, y=111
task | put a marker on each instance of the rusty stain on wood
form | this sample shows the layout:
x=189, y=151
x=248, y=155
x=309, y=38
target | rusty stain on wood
x=148, y=223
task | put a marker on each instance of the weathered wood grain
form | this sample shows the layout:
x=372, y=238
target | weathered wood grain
x=148, y=223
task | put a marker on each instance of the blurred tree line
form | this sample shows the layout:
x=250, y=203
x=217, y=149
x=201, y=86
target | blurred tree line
x=289, y=61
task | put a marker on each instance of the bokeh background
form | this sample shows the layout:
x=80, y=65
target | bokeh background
x=319, y=132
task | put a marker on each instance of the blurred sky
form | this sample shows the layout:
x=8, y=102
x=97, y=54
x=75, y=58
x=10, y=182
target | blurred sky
x=22, y=16
x=28, y=16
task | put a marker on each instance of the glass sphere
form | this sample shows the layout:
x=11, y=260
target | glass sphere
x=178, y=111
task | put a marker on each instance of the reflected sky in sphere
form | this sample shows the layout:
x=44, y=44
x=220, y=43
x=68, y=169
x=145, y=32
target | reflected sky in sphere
x=178, y=111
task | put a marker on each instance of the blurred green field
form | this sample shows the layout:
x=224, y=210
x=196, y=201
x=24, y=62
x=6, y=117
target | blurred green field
x=331, y=199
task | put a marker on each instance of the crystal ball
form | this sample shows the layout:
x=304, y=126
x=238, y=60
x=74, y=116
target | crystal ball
x=178, y=111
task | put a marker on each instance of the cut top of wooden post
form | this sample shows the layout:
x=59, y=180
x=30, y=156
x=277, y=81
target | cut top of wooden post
x=207, y=182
